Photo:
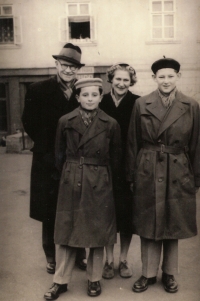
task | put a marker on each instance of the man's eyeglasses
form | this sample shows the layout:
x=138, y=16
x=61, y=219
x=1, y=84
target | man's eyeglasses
x=65, y=67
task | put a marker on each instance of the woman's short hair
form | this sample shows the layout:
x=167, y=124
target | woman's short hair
x=122, y=66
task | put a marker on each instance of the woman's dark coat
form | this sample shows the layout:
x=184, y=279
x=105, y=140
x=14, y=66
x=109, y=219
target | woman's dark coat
x=164, y=200
x=123, y=196
x=85, y=212
x=44, y=105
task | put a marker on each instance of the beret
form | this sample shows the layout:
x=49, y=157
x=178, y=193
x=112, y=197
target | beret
x=87, y=82
x=165, y=63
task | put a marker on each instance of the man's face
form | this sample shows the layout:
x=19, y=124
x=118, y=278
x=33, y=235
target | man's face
x=166, y=79
x=66, y=70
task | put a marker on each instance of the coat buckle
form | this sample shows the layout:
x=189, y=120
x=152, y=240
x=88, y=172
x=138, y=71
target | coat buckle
x=162, y=148
x=81, y=160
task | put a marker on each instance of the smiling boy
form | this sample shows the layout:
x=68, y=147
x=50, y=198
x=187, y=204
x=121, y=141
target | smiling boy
x=88, y=152
x=163, y=167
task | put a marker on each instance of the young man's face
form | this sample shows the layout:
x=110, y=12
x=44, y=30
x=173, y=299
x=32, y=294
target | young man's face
x=66, y=70
x=89, y=97
x=166, y=79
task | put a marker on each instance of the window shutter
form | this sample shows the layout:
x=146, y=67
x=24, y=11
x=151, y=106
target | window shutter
x=63, y=29
x=92, y=29
x=17, y=30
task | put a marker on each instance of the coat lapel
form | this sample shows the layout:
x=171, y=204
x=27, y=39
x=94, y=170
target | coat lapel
x=155, y=106
x=76, y=122
x=178, y=108
x=98, y=125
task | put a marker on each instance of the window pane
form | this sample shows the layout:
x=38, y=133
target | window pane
x=7, y=10
x=157, y=20
x=169, y=32
x=6, y=31
x=84, y=9
x=72, y=9
x=168, y=6
x=79, y=30
x=156, y=6
x=169, y=20
x=157, y=33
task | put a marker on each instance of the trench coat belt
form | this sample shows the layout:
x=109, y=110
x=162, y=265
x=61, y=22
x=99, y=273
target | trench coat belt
x=88, y=161
x=162, y=148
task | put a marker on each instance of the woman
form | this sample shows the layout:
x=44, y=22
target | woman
x=163, y=162
x=118, y=103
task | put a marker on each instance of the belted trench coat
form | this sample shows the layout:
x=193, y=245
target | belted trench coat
x=89, y=158
x=163, y=161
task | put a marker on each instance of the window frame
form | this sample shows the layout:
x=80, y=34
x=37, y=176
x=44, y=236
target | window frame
x=17, y=28
x=64, y=30
x=162, y=13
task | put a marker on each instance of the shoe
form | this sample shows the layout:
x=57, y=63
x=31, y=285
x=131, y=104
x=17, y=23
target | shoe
x=94, y=288
x=169, y=283
x=55, y=290
x=51, y=267
x=108, y=270
x=124, y=270
x=142, y=283
x=81, y=264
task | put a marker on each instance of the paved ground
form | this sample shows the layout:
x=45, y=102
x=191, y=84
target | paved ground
x=22, y=262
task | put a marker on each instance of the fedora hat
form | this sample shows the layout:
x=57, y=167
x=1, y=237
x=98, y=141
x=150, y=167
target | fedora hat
x=70, y=53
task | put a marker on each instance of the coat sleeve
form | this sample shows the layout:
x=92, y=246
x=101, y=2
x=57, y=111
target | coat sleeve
x=194, y=145
x=134, y=142
x=60, y=145
x=32, y=113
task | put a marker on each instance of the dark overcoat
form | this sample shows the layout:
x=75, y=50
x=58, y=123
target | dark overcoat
x=165, y=179
x=123, y=196
x=85, y=211
x=44, y=105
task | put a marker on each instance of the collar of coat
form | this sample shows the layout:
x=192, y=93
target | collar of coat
x=98, y=125
x=179, y=107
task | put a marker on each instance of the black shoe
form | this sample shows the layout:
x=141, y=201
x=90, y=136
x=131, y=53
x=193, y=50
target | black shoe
x=169, y=283
x=55, y=290
x=51, y=267
x=81, y=264
x=142, y=283
x=94, y=288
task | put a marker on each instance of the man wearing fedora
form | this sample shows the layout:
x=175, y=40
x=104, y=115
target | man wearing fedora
x=45, y=103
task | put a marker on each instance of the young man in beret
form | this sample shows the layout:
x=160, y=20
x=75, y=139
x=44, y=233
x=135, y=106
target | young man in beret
x=163, y=166
x=45, y=103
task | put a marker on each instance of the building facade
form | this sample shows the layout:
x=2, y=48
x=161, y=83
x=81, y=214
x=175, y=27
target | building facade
x=137, y=32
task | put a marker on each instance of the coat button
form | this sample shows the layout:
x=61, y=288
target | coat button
x=160, y=179
x=79, y=184
x=159, y=141
x=96, y=168
x=80, y=166
x=175, y=160
x=174, y=181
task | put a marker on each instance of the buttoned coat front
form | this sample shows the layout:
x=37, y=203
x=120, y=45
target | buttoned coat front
x=85, y=211
x=164, y=194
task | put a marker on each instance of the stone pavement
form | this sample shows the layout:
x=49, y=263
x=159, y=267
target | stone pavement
x=22, y=262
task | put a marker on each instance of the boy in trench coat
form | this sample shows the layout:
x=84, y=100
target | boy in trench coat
x=163, y=165
x=88, y=153
x=45, y=102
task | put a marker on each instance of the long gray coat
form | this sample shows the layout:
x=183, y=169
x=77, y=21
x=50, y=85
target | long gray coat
x=85, y=211
x=164, y=196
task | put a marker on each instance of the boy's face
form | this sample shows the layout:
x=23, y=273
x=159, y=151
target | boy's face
x=166, y=79
x=89, y=97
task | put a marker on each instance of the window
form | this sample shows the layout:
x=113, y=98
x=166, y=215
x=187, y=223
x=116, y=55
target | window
x=78, y=25
x=10, y=26
x=163, y=20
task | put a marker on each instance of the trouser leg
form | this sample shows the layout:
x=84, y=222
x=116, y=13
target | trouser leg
x=48, y=239
x=95, y=264
x=170, y=256
x=65, y=260
x=150, y=255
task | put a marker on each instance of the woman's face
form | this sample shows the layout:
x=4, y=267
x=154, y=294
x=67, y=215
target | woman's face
x=120, y=83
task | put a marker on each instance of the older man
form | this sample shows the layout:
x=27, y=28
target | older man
x=45, y=103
